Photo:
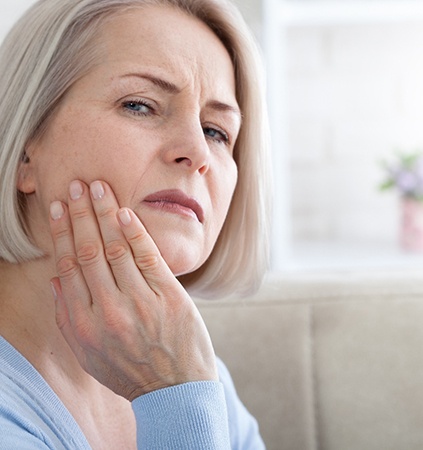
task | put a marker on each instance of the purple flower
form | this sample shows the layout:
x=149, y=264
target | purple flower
x=406, y=175
x=406, y=181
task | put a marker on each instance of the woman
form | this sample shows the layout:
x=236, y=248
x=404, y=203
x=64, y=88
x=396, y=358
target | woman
x=132, y=158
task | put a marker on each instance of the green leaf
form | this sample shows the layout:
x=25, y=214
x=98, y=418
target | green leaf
x=389, y=184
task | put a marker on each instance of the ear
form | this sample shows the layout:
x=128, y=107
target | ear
x=26, y=180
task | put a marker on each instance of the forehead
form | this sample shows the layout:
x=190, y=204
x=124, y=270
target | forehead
x=168, y=39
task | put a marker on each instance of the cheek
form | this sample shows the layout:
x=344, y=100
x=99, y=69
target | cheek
x=223, y=190
x=225, y=187
x=90, y=150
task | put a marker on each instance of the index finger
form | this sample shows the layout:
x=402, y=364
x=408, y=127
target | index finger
x=146, y=254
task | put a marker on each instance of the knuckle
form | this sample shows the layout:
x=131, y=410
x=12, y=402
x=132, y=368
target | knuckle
x=115, y=323
x=85, y=335
x=88, y=252
x=62, y=233
x=67, y=266
x=115, y=251
x=107, y=213
x=81, y=213
x=120, y=326
x=83, y=331
x=149, y=262
x=139, y=235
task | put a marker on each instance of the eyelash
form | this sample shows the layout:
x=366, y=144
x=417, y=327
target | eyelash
x=224, y=139
x=128, y=103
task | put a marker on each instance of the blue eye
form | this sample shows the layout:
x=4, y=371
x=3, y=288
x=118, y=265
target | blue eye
x=138, y=107
x=216, y=135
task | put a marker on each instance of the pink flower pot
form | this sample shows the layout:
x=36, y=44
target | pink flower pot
x=412, y=225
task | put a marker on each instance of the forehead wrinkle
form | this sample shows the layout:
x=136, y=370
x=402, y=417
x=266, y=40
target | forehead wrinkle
x=163, y=84
x=206, y=82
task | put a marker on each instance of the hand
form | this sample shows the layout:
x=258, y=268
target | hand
x=130, y=323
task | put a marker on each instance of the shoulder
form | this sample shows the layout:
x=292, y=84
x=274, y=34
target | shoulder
x=31, y=415
x=19, y=424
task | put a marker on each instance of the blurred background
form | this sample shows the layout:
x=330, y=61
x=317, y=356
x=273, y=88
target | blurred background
x=345, y=92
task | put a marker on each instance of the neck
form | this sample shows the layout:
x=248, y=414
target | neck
x=27, y=318
x=27, y=321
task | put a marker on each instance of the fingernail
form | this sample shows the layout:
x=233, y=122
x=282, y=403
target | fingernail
x=75, y=190
x=97, y=190
x=56, y=210
x=124, y=216
x=53, y=289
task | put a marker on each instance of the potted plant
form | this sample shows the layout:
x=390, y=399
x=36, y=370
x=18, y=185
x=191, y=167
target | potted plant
x=405, y=174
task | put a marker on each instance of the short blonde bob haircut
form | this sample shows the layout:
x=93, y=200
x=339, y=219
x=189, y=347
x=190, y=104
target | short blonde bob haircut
x=52, y=46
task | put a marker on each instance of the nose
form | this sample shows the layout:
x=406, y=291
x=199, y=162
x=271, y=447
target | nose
x=187, y=147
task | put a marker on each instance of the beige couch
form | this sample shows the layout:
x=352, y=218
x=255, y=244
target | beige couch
x=328, y=361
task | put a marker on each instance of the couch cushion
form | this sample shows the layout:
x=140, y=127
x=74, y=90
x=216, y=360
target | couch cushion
x=328, y=360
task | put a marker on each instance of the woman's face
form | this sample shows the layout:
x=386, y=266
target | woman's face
x=157, y=119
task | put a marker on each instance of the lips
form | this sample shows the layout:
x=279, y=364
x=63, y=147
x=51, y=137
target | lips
x=175, y=201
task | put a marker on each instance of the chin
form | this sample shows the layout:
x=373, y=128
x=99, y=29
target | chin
x=184, y=250
x=181, y=266
x=181, y=259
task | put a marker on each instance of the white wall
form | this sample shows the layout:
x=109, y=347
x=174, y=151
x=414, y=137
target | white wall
x=10, y=11
x=252, y=12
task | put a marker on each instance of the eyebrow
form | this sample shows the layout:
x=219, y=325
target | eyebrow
x=224, y=107
x=171, y=88
x=162, y=84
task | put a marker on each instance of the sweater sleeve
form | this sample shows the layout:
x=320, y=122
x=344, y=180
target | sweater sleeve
x=199, y=415
x=188, y=416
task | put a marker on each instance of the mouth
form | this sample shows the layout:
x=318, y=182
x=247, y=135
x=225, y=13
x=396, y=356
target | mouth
x=177, y=202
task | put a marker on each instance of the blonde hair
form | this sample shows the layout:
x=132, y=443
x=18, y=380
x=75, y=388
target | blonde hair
x=50, y=47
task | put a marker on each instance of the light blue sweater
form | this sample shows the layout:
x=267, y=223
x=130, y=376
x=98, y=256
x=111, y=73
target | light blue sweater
x=190, y=416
